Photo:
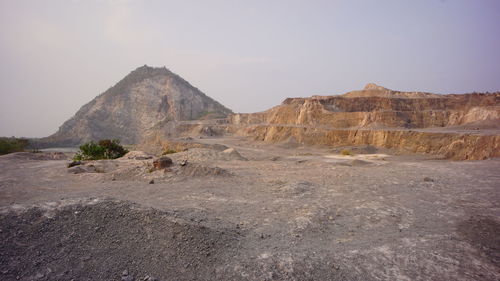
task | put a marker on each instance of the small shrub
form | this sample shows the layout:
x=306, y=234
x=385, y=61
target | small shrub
x=346, y=152
x=112, y=149
x=104, y=149
x=168, y=151
x=10, y=145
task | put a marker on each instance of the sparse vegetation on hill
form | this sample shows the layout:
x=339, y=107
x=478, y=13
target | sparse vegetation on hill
x=10, y=145
x=104, y=149
x=346, y=152
x=168, y=151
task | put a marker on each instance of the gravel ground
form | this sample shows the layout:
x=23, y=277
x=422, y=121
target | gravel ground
x=288, y=213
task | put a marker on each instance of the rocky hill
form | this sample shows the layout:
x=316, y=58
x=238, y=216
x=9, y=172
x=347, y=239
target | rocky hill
x=151, y=105
x=463, y=126
x=145, y=101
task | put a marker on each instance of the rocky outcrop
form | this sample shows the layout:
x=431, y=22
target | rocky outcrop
x=456, y=126
x=153, y=104
x=147, y=100
x=375, y=111
x=456, y=146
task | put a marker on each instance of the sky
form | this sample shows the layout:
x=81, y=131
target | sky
x=57, y=55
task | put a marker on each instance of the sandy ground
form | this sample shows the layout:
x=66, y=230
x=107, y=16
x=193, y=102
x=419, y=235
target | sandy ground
x=288, y=213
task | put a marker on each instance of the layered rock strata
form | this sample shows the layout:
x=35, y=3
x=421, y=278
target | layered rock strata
x=456, y=126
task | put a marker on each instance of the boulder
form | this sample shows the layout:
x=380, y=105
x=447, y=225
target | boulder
x=162, y=163
x=74, y=163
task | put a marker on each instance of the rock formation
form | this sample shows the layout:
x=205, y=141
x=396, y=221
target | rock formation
x=457, y=126
x=145, y=101
x=153, y=104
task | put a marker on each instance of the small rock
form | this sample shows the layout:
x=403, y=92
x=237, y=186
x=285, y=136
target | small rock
x=125, y=273
x=357, y=162
x=74, y=163
x=427, y=179
x=151, y=181
x=128, y=278
x=81, y=169
x=39, y=276
x=162, y=163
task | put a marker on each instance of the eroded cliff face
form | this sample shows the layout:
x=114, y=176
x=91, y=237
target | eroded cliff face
x=348, y=112
x=454, y=146
x=417, y=122
x=146, y=101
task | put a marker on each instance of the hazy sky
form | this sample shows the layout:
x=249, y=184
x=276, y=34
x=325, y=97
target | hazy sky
x=56, y=56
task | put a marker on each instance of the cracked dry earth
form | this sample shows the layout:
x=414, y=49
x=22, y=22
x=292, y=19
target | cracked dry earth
x=288, y=213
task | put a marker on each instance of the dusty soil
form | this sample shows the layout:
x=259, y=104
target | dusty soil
x=280, y=212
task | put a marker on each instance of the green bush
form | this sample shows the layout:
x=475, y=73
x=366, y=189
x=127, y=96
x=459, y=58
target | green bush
x=112, y=149
x=9, y=145
x=168, y=151
x=104, y=149
x=346, y=152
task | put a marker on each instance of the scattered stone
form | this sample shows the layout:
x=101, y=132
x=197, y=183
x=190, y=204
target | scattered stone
x=427, y=179
x=162, y=163
x=151, y=181
x=296, y=188
x=128, y=278
x=82, y=169
x=125, y=273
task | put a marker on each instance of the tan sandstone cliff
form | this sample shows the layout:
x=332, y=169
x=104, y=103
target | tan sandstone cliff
x=463, y=126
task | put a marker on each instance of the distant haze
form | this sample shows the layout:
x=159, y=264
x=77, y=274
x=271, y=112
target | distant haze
x=57, y=55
